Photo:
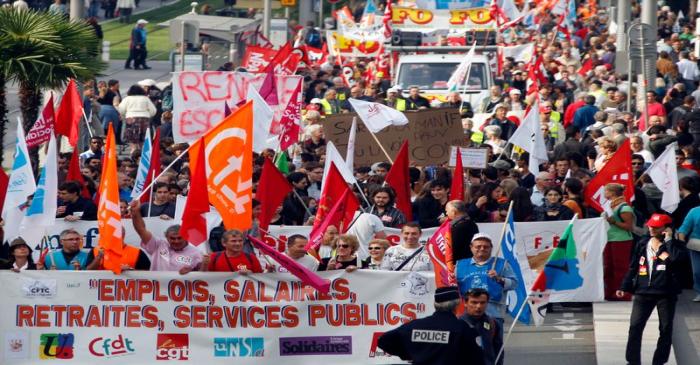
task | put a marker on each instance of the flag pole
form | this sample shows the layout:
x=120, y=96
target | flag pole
x=87, y=122
x=466, y=81
x=150, y=194
x=503, y=233
x=380, y=146
x=273, y=236
x=163, y=172
x=510, y=330
x=308, y=211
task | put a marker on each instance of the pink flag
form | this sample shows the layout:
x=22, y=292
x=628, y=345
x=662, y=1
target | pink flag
x=290, y=120
x=43, y=127
x=305, y=275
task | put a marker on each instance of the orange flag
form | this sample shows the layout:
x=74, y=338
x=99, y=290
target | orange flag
x=109, y=220
x=228, y=151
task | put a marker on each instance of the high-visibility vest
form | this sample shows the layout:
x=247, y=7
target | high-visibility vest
x=130, y=255
x=477, y=136
x=400, y=104
x=327, y=108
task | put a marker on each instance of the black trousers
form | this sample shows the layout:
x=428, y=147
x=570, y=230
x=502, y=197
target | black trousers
x=642, y=306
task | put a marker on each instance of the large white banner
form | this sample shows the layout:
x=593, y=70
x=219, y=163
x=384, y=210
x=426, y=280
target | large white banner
x=204, y=318
x=199, y=97
x=539, y=238
x=425, y=19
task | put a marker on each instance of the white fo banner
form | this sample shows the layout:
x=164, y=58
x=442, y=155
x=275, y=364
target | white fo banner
x=539, y=239
x=141, y=318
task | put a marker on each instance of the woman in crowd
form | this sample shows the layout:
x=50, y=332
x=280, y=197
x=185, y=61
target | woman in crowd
x=487, y=203
x=20, y=257
x=607, y=150
x=493, y=139
x=138, y=110
x=553, y=209
x=345, y=257
x=293, y=208
x=617, y=252
x=523, y=209
x=377, y=248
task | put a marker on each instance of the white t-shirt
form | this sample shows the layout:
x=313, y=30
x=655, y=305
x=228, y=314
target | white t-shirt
x=364, y=228
x=396, y=255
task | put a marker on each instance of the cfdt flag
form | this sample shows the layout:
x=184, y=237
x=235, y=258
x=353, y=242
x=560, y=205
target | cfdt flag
x=20, y=185
x=561, y=272
x=42, y=212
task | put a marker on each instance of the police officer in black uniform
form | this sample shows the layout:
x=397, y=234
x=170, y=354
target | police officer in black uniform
x=653, y=280
x=439, y=339
x=490, y=338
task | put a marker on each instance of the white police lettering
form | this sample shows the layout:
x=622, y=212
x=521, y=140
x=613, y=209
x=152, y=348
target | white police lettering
x=429, y=336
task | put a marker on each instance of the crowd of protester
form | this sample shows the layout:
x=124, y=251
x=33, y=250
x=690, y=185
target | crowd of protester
x=584, y=118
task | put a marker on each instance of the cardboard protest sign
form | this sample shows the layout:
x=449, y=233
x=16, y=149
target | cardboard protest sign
x=430, y=133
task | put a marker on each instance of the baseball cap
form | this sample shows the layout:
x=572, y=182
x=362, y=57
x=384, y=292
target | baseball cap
x=142, y=21
x=481, y=236
x=147, y=82
x=315, y=101
x=659, y=220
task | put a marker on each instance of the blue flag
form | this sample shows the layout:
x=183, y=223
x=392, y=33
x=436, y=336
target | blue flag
x=510, y=254
x=144, y=165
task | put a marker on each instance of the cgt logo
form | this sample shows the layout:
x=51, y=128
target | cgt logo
x=56, y=346
x=173, y=346
x=106, y=347
x=239, y=347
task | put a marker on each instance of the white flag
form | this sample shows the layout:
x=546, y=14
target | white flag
x=461, y=74
x=530, y=138
x=664, y=173
x=509, y=9
x=350, y=154
x=262, y=119
x=20, y=185
x=144, y=165
x=333, y=156
x=41, y=214
x=520, y=53
x=377, y=116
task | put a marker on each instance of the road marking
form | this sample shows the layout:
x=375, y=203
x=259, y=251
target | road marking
x=568, y=328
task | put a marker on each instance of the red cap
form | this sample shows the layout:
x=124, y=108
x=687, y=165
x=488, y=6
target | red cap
x=659, y=220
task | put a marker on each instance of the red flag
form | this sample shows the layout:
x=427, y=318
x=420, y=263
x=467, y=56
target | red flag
x=257, y=58
x=457, y=188
x=4, y=180
x=386, y=19
x=43, y=127
x=333, y=189
x=399, y=180
x=268, y=90
x=290, y=65
x=291, y=120
x=341, y=208
x=74, y=174
x=194, y=224
x=276, y=63
x=273, y=187
x=439, y=248
x=69, y=113
x=617, y=170
x=587, y=66
x=305, y=275
x=153, y=168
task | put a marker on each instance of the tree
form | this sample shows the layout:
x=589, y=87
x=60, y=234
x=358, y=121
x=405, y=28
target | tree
x=39, y=51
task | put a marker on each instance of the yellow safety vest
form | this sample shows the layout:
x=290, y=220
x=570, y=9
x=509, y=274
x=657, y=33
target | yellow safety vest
x=327, y=108
x=400, y=104
x=477, y=136
x=554, y=124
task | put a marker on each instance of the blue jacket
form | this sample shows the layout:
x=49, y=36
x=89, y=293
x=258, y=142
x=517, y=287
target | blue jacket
x=470, y=275
x=584, y=117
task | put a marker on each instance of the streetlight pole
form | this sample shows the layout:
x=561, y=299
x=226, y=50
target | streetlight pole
x=267, y=15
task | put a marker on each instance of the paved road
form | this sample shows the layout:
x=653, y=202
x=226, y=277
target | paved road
x=565, y=338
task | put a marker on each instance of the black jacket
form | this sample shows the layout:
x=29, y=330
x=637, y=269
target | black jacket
x=427, y=210
x=664, y=276
x=84, y=205
x=461, y=231
x=684, y=206
x=460, y=347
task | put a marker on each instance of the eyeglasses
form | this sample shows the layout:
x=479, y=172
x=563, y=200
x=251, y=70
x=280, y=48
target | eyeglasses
x=374, y=248
x=71, y=239
x=344, y=246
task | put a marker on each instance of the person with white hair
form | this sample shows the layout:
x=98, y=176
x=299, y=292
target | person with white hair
x=493, y=139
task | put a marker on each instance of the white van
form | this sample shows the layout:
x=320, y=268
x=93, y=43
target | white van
x=430, y=72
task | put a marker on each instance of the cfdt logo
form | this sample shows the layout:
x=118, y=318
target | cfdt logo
x=108, y=347
x=173, y=346
x=239, y=347
x=56, y=346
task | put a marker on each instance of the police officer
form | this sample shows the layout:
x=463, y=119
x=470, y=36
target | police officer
x=490, y=338
x=653, y=281
x=439, y=339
